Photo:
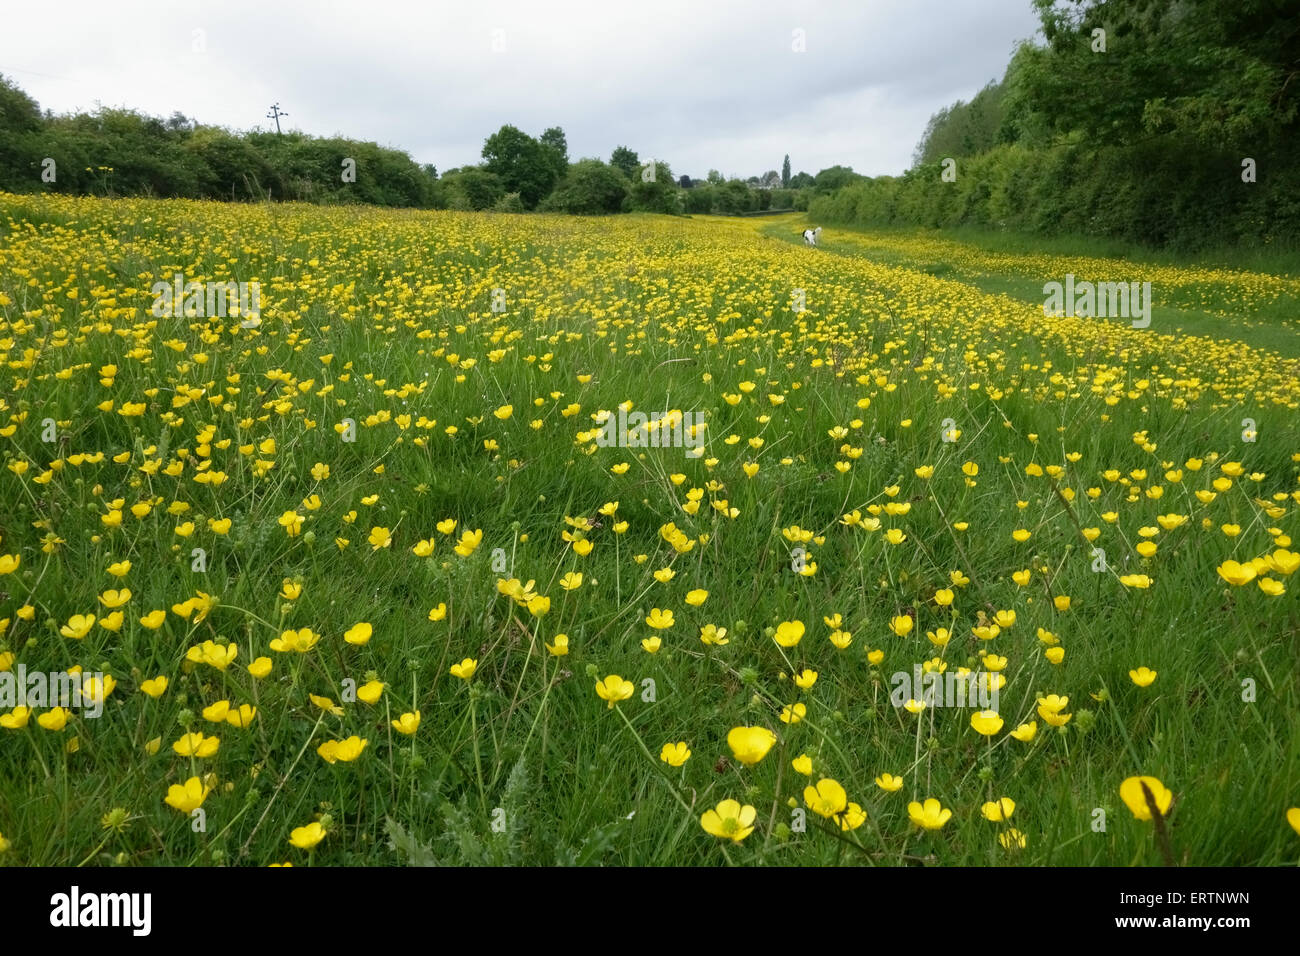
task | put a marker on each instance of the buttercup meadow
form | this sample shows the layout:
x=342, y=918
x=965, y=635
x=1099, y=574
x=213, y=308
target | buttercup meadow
x=366, y=585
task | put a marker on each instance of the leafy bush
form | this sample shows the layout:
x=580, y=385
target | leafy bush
x=590, y=188
x=510, y=202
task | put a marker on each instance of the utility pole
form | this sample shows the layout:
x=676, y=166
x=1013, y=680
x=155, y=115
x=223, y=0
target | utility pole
x=275, y=114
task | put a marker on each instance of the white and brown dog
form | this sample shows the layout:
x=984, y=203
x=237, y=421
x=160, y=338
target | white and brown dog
x=810, y=236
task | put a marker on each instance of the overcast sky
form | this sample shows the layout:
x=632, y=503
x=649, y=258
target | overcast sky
x=699, y=84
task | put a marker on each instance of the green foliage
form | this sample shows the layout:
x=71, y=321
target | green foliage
x=1212, y=71
x=1157, y=193
x=590, y=188
x=20, y=119
x=472, y=189
x=964, y=129
x=557, y=150
x=1142, y=141
x=119, y=152
x=510, y=202
x=523, y=164
x=660, y=194
x=18, y=111
x=626, y=160
x=836, y=177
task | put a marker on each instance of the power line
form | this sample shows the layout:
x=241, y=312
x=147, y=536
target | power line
x=275, y=114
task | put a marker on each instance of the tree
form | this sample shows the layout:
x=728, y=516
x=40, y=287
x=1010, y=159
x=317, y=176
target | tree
x=714, y=178
x=684, y=181
x=20, y=123
x=626, y=160
x=554, y=138
x=964, y=129
x=700, y=198
x=472, y=188
x=1212, y=70
x=800, y=180
x=735, y=196
x=233, y=167
x=659, y=194
x=834, y=178
x=590, y=188
x=521, y=163
x=558, y=149
x=510, y=202
x=771, y=179
x=785, y=172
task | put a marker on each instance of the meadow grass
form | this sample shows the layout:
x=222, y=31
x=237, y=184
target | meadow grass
x=909, y=451
x=1257, y=288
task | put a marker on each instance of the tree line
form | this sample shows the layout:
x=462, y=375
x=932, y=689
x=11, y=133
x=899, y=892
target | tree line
x=120, y=152
x=1159, y=122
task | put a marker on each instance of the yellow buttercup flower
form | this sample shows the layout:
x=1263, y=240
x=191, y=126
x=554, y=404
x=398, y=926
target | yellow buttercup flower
x=1142, y=676
x=986, y=722
x=749, y=745
x=789, y=633
x=196, y=745
x=889, y=783
x=1236, y=574
x=345, y=750
x=827, y=798
x=696, y=597
x=241, y=716
x=407, y=724
x=614, y=689
x=675, y=754
x=78, y=626
x=188, y=796
x=1025, y=732
x=659, y=619
x=998, y=810
x=16, y=719
x=300, y=641
x=729, y=821
x=930, y=815
x=305, y=838
x=54, y=719
x=1131, y=792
